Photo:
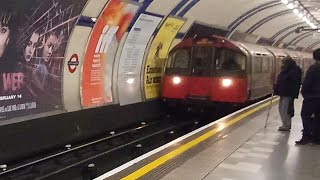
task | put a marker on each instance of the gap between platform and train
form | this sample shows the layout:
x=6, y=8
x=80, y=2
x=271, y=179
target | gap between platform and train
x=180, y=150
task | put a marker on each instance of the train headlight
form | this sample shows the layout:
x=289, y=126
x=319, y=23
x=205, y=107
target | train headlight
x=176, y=80
x=226, y=82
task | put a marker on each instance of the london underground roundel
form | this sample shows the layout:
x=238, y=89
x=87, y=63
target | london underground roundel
x=73, y=63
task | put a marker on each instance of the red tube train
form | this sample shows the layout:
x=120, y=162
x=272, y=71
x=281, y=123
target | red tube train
x=216, y=69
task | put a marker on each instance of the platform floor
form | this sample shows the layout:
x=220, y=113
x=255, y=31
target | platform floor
x=236, y=148
x=267, y=155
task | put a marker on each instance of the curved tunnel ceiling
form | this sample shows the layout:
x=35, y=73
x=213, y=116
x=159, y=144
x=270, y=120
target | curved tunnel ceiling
x=264, y=18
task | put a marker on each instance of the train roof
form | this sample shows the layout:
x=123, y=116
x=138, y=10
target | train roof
x=214, y=41
x=293, y=54
x=255, y=49
x=246, y=48
x=276, y=51
x=305, y=55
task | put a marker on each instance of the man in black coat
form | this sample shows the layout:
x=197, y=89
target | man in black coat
x=287, y=87
x=311, y=103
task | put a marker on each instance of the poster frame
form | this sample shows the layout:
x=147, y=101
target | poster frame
x=184, y=19
x=138, y=4
x=146, y=49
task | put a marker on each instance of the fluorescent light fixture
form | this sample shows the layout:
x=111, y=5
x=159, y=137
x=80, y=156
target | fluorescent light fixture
x=296, y=11
x=290, y=6
x=304, y=18
x=299, y=10
x=313, y=25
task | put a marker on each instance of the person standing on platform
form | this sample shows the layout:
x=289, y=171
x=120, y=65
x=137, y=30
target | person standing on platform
x=311, y=103
x=287, y=87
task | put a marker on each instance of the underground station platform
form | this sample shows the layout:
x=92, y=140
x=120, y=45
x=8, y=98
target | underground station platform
x=236, y=147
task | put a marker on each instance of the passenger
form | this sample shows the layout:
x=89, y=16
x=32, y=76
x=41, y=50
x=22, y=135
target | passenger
x=311, y=103
x=287, y=87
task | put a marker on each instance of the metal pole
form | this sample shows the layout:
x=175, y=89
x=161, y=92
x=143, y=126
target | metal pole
x=267, y=119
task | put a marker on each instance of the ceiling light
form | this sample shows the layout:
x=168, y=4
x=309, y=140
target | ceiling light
x=296, y=11
x=313, y=26
x=301, y=12
x=290, y=6
x=304, y=18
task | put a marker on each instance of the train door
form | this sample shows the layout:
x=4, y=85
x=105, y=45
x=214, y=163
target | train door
x=229, y=79
x=261, y=83
x=200, y=72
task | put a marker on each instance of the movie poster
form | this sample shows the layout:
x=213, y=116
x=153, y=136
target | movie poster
x=158, y=54
x=97, y=69
x=129, y=73
x=33, y=39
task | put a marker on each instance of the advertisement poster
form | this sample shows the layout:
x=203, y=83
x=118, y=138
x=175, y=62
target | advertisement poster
x=33, y=39
x=158, y=54
x=129, y=73
x=96, y=87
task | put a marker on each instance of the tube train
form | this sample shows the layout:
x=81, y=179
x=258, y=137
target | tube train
x=219, y=70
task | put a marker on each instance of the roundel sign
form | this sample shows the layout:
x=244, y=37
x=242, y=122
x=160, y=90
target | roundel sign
x=73, y=63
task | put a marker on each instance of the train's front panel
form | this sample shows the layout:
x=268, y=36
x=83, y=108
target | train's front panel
x=230, y=89
x=205, y=73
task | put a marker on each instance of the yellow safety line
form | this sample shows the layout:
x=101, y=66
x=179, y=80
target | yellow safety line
x=161, y=160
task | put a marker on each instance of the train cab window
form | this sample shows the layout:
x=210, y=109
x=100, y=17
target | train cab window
x=178, y=61
x=201, y=61
x=229, y=60
x=181, y=58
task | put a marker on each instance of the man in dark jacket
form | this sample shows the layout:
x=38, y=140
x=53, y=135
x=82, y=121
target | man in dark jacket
x=287, y=87
x=311, y=103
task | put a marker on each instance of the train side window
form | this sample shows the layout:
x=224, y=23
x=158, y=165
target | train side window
x=266, y=65
x=230, y=60
x=257, y=64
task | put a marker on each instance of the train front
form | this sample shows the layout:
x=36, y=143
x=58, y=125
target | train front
x=205, y=70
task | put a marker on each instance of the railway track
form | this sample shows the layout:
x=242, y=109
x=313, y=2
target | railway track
x=84, y=161
x=87, y=160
